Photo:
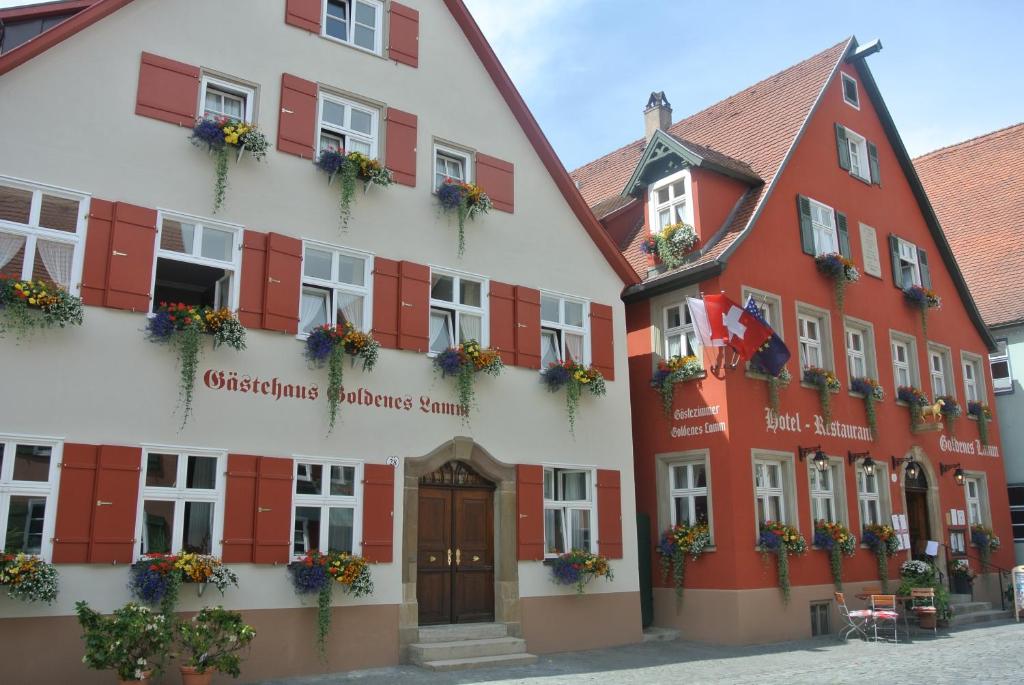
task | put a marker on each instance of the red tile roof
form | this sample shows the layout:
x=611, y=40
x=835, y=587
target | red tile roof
x=977, y=191
x=756, y=127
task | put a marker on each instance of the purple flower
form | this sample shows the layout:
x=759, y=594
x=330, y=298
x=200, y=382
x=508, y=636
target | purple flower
x=980, y=538
x=319, y=345
x=823, y=540
x=149, y=586
x=448, y=362
x=160, y=327
x=659, y=377
x=208, y=132
x=769, y=540
x=331, y=161
x=555, y=377
x=565, y=572
x=450, y=195
x=308, y=579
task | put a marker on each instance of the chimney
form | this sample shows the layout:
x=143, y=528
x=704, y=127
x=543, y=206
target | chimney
x=657, y=115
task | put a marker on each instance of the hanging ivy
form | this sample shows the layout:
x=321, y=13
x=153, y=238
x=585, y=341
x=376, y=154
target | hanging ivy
x=826, y=383
x=330, y=345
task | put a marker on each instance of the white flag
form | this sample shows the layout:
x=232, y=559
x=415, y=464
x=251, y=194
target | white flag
x=699, y=317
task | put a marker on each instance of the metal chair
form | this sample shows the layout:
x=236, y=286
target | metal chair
x=856, y=621
x=883, y=609
x=922, y=603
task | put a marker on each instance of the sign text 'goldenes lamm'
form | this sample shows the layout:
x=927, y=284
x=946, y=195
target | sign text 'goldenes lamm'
x=274, y=388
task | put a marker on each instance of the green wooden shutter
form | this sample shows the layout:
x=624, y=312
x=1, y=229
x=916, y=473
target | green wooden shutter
x=894, y=252
x=926, y=274
x=876, y=176
x=843, y=144
x=844, y=235
x=803, y=206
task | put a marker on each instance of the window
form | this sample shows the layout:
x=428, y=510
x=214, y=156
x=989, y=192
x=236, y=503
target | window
x=910, y=268
x=999, y=362
x=824, y=501
x=568, y=510
x=180, y=508
x=335, y=288
x=850, y=94
x=225, y=99
x=450, y=163
x=28, y=499
x=870, y=495
x=904, y=360
x=860, y=349
x=858, y=155
x=456, y=310
x=973, y=495
x=1016, y=493
x=563, y=333
x=41, y=233
x=357, y=22
x=668, y=202
x=823, y=225
x=347, y=126
x=938, y=370
x=325, y=506
x=689, y=493
x=974, y=383
x=680, y=335
x=768, y=304
x=197, y=262
x=769, y=491
x=821, y=614
x=813, y=331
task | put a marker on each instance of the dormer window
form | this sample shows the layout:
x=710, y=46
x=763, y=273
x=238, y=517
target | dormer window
x=669, y=204
x=851, y=96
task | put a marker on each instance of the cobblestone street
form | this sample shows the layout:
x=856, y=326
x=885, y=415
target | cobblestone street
x=993, y=654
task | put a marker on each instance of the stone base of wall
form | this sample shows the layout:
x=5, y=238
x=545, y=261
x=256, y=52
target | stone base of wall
x=285, y=645
x=574, y=622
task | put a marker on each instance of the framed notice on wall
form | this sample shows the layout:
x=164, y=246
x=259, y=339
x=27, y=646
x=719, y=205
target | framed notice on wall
x=869, y=248
x=958, y=542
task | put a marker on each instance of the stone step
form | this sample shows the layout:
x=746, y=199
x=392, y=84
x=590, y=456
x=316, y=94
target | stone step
x=960, y=599
x=654, y=634
x=970, y=608
x=465, y=649
x=462, y=631
x=480, y=662
x=974, y=618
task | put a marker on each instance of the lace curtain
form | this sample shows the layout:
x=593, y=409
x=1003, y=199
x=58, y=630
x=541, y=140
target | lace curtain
x=313, y=312
x=351, y=309
x=57, y=260
x=9, y=246
x=574, y=347
x=469, y=328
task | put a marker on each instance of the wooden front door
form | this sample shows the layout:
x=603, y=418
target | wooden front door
x=455, y=551
x=917, y=522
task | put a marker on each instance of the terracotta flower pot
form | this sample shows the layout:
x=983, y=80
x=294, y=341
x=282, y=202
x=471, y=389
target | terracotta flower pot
x=927, y=619
x=189, y=676
x=145, y=680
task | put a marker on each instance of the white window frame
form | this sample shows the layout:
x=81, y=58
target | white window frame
x=246, y=94
x=451, y=152
x=46, y=490
x=690, y=493
x=786, y=490
x=234, y=266
x=455, y=310
x=1015, y=523
x=835, y=494
x=33, y=232
x=345, y=132
x=821, y=231
x=913, y=372
x=770, y=305
x=674, y=202
x=846, y=78
x=943, y=376
x=858, y=147
x=335, y=286
x=566, y=506
x=327, y=501
x=181, y=494
x=1001, y=386
x=907, y=255
x=559, y=328
x=378, y=37
x=689, y=341
x=867, y=352
x=823, y=319
x=976, y=365
x=865, y=496
x=978, y=502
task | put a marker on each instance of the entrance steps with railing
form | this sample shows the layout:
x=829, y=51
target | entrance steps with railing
x=967, y=612
x=464, y=646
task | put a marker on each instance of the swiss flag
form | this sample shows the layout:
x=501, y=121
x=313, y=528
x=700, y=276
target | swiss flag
x=733, y=324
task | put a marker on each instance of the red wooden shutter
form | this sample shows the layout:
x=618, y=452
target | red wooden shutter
x=75, y=504
x=296, y=125
x=303, y=13
x=602, y=343
x=378, y=512
x=404, y=35
x=283, y=284
x=400, y=148
x=97, y=252
x=529, y=512
x=414, y=307
x=503, y=320
x=273, y=511
x=240, y=508
x=497, y=178
x=385, y=302
x=168, y=90
x=527, y=327
x=132, y=251
x=253, y=280
x=116, y=491
x=609, y=513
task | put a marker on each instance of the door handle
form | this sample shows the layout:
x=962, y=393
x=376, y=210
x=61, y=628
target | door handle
x=101, y=503
x=120, y=254
x=406, y=304
x=285, y=110
x=458, y=557
x=476, y=558
x=449, y=556
x=522, y=325
x=432, y=558
x=271, y=279
x=260, y=510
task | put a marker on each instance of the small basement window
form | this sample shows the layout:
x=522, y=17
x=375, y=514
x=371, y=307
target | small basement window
x=821, y=615
x=197, y=263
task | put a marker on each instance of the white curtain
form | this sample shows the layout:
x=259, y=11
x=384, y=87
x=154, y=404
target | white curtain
x=57, y=260
x=548, y=348
x=574, y=347
x=9, y=246
x=351, y=308
x=574, y=486
x=314, y=310
x=440, y=338
x=469, y=327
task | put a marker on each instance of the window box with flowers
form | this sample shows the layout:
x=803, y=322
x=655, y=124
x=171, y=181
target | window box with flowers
x=464, y=363
x=676, y=544
x=883, y=542
x=775, y=537
x=578, y=568
x=923, y=299
x=574, y=377
x=223, y=136
x=351, y=168
x=916, y=401
x=25, y=305
x=872, y=392
x=466, y=201
x=330, y=345
x=950, y=410
x=776, y=382
x=840, y=270
x=674, y=370
x=671, y=244
x=982, y=414
x=838, y=541
x=319, y=574
x=155, y=579
x=985, y=539
x=28, y=578
x=826, y=383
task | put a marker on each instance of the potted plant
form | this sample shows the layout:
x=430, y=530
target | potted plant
x=465, y=362
x=650, y=248
x=318, y=574
x=578, y=568
x=983, y=414
x=678, y=542
x=872, y=392
x=28, y=578
x=674, y=242
x=921, y=574
x=671, y=371
x=330, y=345
x=826, y=383
x=156, y=578
x=837, y=540
x=573, y=377
x=350, y=168
x=961, y=576
x=25, y=305
x=840, y=270
x=466, y=200
x=915, y=400
x=923, y=299
x=883, y=542
x=950, y=410
x=211, y=642
x=781, y=540
x=132, y=641
x=222, y=135
x=986, y=541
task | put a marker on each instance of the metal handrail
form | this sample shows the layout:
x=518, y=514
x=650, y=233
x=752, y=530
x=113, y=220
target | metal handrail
x=1002, y=572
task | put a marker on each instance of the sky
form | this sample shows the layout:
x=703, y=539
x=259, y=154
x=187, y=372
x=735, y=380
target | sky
x=948, y=70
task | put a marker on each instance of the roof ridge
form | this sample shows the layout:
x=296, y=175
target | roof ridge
x=970, y=141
